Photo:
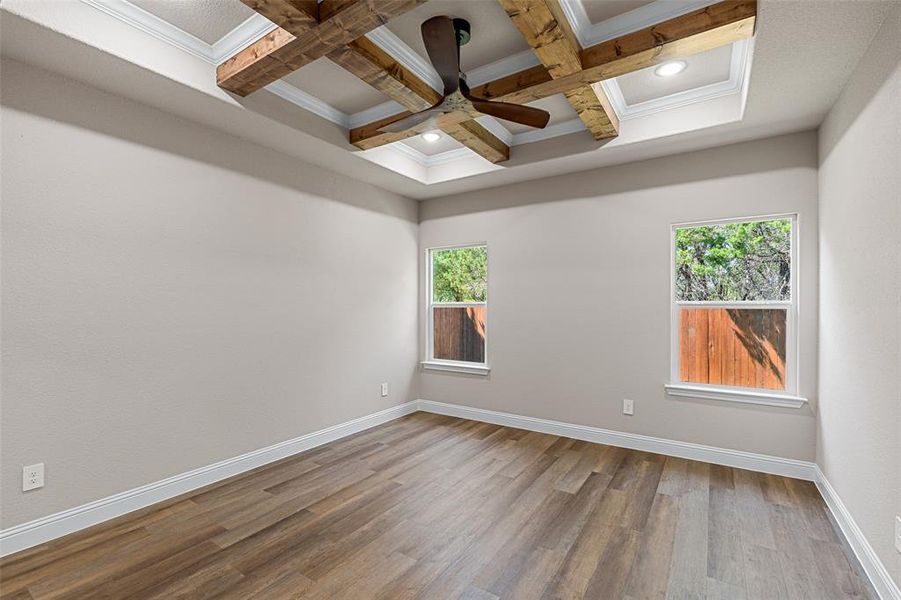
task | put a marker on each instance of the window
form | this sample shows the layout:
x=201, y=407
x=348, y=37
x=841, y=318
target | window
x=458, y=309
x=735, y=310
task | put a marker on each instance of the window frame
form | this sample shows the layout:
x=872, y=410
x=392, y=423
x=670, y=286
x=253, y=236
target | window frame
x=438, y=364
x=785, y=398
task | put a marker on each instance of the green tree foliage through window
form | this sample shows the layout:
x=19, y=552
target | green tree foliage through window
x=732, y=262
x=460, y=274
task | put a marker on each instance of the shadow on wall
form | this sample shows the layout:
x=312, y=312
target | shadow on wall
x=459, y=333
x=31, y=89
x=760, y=156
x=860, y=92
x=740, y=347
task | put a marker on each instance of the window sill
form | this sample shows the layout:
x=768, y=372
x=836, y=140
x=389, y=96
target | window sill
x=455, y=367
x=728, y=395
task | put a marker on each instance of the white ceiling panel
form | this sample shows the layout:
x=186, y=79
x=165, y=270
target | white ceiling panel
x=493, y=35
x=601, y=10
x=444, y=144
x=335, y=86
x=558, y=106
x=702, y=69
x=207, y=20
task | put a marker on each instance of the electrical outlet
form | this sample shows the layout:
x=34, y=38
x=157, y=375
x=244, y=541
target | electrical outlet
x=32, y=477
x=628, y=407
x=384, y=389
x=898, y=534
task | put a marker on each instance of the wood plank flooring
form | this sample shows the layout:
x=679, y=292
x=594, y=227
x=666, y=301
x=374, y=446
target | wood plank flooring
x=434, y=507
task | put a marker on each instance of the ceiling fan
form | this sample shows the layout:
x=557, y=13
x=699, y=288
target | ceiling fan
x=443, y=36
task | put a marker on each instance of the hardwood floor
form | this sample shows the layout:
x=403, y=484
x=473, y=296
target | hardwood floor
x=435, y=507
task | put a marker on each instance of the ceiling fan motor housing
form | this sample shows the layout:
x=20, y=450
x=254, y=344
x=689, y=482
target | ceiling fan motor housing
x=461, y=27
x=444, y=54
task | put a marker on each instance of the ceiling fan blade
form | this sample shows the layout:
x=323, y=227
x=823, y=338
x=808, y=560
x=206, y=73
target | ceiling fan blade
x=440, y=41
x=525, y=115
x=410, y=121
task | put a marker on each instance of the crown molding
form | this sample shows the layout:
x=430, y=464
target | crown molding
x=430, y=160
x=152, y=25
x=738, y=69
x=296, y=96
x=240, y=37
x=496, y=128
x=369, y=115
x=551, y=131
x=501, y=68
x=502, y=133
x=385, y=39
x=588, y=34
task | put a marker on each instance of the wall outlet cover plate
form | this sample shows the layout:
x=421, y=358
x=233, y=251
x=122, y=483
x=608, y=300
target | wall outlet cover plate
x=32, y=477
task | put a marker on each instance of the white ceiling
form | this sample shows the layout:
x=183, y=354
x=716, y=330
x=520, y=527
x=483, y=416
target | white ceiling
x=601, y=10
x=494, y=40
x=706, y=68
x=493, y=34
x=335, y=86
x=207, y=20
x=444, y=144
x=803, y=55
x=558, y=106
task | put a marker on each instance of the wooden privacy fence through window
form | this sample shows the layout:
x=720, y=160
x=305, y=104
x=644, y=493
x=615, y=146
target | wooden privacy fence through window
x=733, y=346
x=459, y=333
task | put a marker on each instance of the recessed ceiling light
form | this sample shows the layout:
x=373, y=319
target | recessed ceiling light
x=431, y=136
x=668, y=69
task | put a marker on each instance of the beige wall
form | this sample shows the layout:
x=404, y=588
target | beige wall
x=173, y=296
x=579, y=312
x=859, y=437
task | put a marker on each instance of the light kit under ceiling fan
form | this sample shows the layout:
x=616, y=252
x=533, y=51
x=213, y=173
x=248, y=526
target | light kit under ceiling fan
x=443, y=37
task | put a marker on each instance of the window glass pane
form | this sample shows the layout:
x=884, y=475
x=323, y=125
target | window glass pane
x=460, y=274
x=459, y=333
x=733, y=346
x=734, y=261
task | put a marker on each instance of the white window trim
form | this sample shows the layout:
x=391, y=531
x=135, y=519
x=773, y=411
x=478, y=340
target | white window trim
x=704, y=391
x=430, y=362
x=744, y=395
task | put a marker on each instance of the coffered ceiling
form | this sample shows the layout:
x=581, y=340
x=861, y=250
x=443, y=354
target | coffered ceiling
x=786, y=75
x=207, y=20
x=494, y=37
x=497, y=48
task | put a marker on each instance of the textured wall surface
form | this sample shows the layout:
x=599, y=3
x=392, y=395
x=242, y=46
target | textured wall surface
x=173, y=296
x=859, y=437
x=579, y=291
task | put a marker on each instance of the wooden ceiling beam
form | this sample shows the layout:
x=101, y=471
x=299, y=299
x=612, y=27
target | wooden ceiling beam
x=376, y=67
x=368, y=136
x=595, y=109
x=361, y=57
x=716, y=25
x=379, y=69
x=298, y=41
x=478, y=139
x=698, y=31
x=292, y=15
x=549, y=34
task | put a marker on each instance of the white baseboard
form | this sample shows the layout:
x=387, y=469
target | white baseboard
x=42, y=530
x=869, y=561
x=797, y=469
x=787, y=467
x=69, y=521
